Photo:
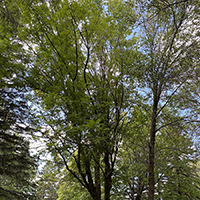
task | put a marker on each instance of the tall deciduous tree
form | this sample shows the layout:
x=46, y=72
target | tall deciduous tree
x=169, y=42
x=175, y=175
x=78, y=51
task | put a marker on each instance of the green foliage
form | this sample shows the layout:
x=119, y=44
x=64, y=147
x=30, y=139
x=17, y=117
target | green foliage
x=18, y=167
x=47, y=181
x=114, y=90
x=70, y=188
x=174, y=172
x=78, y=80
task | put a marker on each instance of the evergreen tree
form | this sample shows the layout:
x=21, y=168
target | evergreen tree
x=17, y=166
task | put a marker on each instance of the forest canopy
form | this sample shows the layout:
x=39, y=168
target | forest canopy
x=110, y=89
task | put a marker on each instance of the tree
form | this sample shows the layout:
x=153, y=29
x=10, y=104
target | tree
x=174, y=161
x=78, y=52
x=17, y=166
x=169, y=68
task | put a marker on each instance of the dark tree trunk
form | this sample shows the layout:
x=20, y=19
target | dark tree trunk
x=90, y=185
x=97, y=176
x=151, y=150
x=107, y=177
x=94, y=195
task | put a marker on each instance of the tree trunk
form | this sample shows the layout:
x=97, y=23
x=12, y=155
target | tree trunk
x=151, y=150
x=90, y=185
x=107, y=177
x=94, y=195
x=97, y=176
